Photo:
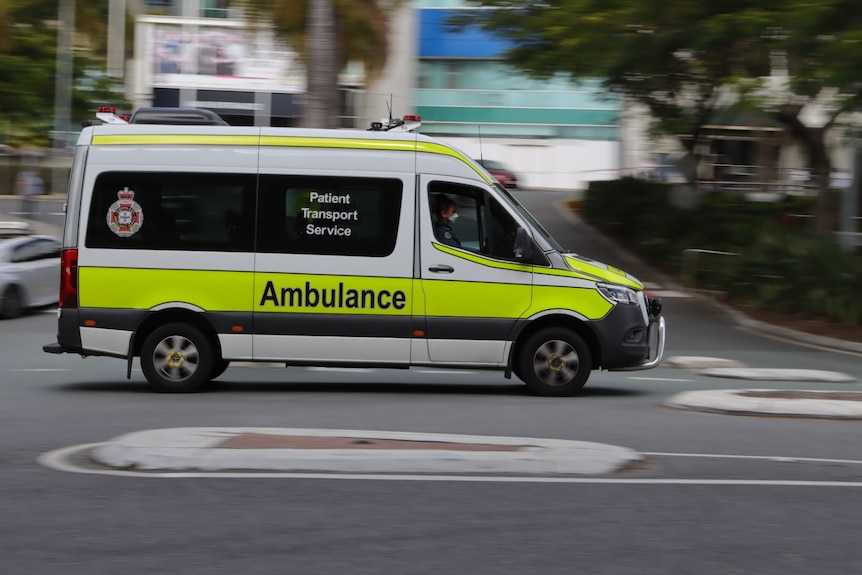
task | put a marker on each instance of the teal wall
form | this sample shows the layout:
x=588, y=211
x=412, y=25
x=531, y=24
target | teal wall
x=461, y=92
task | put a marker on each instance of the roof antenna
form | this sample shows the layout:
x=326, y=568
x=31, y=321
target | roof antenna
x=481, y=156
x=389, y=107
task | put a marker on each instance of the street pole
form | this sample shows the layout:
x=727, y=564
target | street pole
x=63, y=90
x=116, y=38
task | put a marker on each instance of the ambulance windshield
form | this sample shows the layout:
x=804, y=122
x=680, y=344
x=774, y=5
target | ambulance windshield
x=529, y=217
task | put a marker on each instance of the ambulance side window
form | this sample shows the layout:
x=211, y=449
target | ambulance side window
x=482, y=225
x=328, y=215
x=172, y=211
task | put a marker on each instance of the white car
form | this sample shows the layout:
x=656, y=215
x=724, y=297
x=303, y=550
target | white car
x=29, y=273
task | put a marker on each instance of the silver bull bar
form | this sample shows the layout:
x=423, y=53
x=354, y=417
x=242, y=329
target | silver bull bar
x=656, y=327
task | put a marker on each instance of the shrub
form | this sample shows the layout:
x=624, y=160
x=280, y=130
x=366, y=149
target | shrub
x=780, y=263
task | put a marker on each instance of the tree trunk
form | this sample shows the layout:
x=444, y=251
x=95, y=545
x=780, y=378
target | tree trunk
x=321, y=108
x=814, y=142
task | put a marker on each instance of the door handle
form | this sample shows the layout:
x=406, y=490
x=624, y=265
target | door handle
x=441, y=269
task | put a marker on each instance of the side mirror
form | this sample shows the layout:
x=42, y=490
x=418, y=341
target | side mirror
x=523, y=245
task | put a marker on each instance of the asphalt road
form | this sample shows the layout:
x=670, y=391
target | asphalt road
x=714, y=495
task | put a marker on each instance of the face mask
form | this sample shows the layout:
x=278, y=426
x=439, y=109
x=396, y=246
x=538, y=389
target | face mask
x=453, y=217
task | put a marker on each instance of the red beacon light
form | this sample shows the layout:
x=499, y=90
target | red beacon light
x=108, y=115
x=407, y=123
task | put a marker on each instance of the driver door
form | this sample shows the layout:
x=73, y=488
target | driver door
x=474, y=293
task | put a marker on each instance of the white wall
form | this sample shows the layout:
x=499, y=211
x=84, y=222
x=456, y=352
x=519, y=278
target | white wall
x=548, y=164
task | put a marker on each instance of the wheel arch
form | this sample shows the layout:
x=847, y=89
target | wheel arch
x=562, y=320
x=167, y=315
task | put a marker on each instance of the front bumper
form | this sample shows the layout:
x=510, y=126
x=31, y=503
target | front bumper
x=631, y=337
x=656, y=338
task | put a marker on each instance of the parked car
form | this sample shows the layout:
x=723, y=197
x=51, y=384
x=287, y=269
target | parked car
x=29, y=273
x=506, y=177
x=14, y=229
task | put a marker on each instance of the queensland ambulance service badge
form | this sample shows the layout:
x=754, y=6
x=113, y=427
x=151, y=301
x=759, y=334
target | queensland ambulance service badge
x=125, y=215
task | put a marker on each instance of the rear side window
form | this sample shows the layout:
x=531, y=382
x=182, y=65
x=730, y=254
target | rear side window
x=172, y=211
x=329, y=215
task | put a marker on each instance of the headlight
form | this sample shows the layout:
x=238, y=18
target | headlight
x=617, y=294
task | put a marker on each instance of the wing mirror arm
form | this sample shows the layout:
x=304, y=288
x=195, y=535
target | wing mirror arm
x=524, y=246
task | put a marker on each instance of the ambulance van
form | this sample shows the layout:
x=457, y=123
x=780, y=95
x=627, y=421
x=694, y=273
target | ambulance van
x=191, y=246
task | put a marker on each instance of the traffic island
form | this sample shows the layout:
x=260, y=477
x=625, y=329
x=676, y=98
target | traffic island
x=776, y=402
x=352, y=451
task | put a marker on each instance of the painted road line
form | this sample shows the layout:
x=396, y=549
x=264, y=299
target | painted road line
x=661, y=379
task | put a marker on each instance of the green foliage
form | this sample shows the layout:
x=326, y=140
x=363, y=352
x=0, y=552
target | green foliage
x=771, y=258
x=682, y=61
x=672, y=59
x=28, y=59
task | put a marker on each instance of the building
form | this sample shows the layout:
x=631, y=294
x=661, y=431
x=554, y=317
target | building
x=554, y=134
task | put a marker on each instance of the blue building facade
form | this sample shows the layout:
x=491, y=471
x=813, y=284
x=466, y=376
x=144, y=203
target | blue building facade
x=463, y=88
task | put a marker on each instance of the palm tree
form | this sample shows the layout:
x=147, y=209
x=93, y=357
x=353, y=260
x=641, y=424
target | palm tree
x=327, y=34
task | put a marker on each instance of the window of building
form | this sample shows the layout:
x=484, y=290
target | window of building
x=329, y=215
x=172, y=211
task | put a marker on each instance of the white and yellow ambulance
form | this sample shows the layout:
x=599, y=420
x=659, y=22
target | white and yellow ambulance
x=191, y=246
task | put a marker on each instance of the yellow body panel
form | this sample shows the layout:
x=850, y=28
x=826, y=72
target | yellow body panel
x=134, y=288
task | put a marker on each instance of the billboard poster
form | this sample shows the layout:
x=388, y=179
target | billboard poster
x=221, y=57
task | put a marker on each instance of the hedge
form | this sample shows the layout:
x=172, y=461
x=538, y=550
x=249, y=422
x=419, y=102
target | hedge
x=770, y=255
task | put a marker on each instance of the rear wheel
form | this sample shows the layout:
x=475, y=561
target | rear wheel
x=11, y=302
x=177, y=358
x=555, y=362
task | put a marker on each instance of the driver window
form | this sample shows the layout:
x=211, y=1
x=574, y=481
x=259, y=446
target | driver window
x=464, y=216
x=456, y=215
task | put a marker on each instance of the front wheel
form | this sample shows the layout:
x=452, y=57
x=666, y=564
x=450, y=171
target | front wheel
x=555, y=362
x=177, y=358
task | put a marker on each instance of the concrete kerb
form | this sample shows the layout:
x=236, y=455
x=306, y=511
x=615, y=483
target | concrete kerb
x=785, y=333
x=207, y=449
x=764, y=402
x=761, y=374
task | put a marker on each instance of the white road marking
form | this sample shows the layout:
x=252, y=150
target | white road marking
x=660, y=379
x=341, y=369
x=776, y=458
x=57, y=460
x=447, y=371
x=44, y=369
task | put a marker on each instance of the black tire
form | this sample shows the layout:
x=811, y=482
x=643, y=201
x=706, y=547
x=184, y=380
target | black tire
x=177, y=358
x=220, y=367
x=555, y=362
x=11, y=302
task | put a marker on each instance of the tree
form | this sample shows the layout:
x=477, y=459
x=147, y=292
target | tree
x=28, y=58
x=327, y=34
x=679, y=60
x=823, y=41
